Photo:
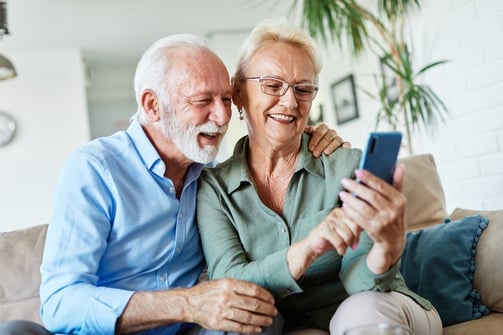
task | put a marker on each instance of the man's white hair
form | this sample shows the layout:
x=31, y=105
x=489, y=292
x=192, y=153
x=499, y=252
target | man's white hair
x=153, y=69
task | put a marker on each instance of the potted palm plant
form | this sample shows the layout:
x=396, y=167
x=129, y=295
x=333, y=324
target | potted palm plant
x=413, y=106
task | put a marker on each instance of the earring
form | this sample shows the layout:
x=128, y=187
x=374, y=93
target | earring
x=241, y=117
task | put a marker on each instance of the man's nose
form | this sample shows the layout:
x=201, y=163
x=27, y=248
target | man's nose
x=220, y=113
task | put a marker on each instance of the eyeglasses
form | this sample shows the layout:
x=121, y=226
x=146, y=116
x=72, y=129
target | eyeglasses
x=278, y=87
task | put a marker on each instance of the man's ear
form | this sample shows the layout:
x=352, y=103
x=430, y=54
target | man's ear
x=151, y=105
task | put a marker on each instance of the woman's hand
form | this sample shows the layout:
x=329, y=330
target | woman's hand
x=378, y=208
x=336, y=231
x=324, y=140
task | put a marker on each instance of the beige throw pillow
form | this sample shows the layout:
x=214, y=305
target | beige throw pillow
x=424, y=192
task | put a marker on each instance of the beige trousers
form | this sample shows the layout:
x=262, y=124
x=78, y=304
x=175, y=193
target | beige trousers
x=392, y=307
x=362, y=309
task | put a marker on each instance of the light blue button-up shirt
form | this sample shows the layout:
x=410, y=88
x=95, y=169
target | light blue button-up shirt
x=117, y=227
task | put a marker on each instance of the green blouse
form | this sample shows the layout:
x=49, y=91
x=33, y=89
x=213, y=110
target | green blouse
x=244, y=239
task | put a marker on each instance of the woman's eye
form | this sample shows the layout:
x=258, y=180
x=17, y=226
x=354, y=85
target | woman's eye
x=201, y=102
x=274, y=86
x=302, y=90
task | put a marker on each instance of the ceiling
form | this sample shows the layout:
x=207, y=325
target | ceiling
x=111, y=32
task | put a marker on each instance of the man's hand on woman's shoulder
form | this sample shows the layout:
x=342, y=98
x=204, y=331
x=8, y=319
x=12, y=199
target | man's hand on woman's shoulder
x=324, y=140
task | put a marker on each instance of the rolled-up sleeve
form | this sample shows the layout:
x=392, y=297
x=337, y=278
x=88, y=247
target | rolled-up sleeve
x=357, y=277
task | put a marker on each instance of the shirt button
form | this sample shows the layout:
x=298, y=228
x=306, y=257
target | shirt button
x=171, y=189
x=283, y=230
x=163, y=278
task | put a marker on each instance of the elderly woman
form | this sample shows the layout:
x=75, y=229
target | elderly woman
x=274, y=215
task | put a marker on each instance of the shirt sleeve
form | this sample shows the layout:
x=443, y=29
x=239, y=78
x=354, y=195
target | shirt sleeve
x=357, y=277
x=72, y=300
x=225, y=254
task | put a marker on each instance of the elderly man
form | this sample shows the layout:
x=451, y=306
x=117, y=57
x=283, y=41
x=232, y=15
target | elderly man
x=122, y=252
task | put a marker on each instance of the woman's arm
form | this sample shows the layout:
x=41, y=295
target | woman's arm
x=379, y=209
x=336, y=231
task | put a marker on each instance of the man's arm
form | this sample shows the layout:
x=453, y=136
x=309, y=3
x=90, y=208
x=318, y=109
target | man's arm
x=76, y=241
x=324, y=140
x=227, y=304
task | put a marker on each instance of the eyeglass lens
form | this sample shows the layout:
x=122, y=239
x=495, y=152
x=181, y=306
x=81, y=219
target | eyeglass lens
x=305, y=92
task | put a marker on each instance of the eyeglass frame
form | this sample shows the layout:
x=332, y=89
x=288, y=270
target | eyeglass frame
x=285, y=84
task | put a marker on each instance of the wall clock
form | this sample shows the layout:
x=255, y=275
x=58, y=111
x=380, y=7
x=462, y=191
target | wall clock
x=7, y=128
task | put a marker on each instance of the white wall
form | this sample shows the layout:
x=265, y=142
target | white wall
x=49, y=103
x=468, y=148
x=110, y=96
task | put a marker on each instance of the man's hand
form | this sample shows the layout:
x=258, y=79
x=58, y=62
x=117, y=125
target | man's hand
x=378, y=208
x=231, y=305
x=324, y=140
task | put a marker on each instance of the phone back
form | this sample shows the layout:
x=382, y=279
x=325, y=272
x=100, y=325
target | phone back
x=380, y=154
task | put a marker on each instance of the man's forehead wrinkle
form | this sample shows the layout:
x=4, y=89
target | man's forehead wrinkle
x=199, y=76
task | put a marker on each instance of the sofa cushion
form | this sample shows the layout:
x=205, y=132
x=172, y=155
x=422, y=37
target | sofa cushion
x=488, y=325
x=439, y=264
x=20, y=259
x=489, y=273
x=424, y=192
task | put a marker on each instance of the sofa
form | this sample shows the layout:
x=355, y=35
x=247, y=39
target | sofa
x=21, y=253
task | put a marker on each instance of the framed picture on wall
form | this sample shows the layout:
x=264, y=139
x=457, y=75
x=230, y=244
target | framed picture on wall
x=344, y=98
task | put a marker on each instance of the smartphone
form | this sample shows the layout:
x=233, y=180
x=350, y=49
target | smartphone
x=380, y=154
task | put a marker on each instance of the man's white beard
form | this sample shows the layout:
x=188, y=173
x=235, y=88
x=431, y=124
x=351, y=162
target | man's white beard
x=185, y=137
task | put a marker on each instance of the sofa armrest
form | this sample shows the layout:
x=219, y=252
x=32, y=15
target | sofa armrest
x=488, y=278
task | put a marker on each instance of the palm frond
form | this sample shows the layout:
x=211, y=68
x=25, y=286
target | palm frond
x=396, y=8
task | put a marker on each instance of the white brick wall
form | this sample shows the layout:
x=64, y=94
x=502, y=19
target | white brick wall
x=470, y=33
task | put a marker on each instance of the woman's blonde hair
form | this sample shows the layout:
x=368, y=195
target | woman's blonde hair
x=268, y=32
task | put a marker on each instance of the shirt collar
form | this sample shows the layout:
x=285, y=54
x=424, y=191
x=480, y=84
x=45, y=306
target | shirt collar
x=238, y=160
x=306, y=161
x=142, y=144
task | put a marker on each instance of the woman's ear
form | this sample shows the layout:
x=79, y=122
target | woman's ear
x=236, y=94
x=150, y=104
